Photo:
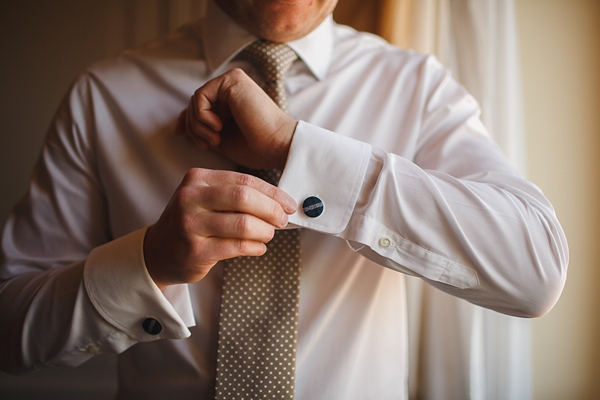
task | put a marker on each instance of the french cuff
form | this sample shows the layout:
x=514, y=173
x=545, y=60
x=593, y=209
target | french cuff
x=324, y=173
x=121, y=289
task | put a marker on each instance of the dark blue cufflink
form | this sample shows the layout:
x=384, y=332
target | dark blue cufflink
x=152, y=326
x=312, y=207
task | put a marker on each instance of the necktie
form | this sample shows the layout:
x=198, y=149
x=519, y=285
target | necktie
x=259, y=306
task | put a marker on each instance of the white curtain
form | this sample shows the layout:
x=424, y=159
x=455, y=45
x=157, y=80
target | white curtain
x=459, y=351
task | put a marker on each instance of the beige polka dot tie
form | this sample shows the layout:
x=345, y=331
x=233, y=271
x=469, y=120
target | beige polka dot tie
x=259, y=306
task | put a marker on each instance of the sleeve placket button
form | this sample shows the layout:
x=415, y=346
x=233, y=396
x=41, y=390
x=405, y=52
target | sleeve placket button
x=385, y=242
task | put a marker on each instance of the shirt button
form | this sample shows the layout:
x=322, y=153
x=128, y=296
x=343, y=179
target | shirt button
x=313, y=207
x=385, y=242
x=152, y=326
x=93, y=349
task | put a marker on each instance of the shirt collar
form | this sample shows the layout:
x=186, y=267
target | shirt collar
x=223, y=39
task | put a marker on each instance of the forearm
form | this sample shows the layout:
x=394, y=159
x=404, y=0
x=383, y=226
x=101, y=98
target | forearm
x=48, y=319
x=65, y=315
x=470, y=226
x=490, y=238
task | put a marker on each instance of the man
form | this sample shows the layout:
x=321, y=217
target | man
x=110, y=236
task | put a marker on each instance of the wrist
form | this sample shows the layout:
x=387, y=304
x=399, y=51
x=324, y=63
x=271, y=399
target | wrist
x=282, y=149
x=149, y=260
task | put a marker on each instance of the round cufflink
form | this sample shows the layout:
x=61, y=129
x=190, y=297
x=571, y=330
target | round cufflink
x=152, y=326
x=313, y=207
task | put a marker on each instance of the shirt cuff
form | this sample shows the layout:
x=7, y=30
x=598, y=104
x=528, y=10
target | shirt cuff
x=329, y=167
x=121, y=289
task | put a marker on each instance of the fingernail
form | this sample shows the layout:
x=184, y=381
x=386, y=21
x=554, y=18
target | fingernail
x=290, y=205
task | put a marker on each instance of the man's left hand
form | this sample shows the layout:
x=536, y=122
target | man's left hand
x=233, y=116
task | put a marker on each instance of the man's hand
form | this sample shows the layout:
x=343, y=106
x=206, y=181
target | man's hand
x=232, y=115
x=213, y=216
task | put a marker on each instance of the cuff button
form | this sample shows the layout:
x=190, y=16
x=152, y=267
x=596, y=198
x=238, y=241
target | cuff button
x=313, y=207
x=152, y=326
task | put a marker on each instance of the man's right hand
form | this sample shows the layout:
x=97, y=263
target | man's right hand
x=213, y=216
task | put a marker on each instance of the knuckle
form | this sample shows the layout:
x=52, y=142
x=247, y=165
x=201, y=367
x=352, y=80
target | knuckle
x=236, y=73
x=245, y=180
x=183, y=196
x=196, y=248
x=233, y=81
x=187, y=223
x=240, y=195
x=243, y=246
x=276, y=211
x=195, y=175
x=242, y=225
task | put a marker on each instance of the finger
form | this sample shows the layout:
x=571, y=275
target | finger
x=272, y=192
x=196, y=139
x=204, y=102
x=226, y=248
x=233, y=225
x=216, y=178
x=198, y=130
x=244, y=200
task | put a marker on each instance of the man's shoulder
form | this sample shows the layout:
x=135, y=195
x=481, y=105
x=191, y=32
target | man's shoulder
x=182, y=43
x=168, y=64
x=173, y=50
x=354, y=47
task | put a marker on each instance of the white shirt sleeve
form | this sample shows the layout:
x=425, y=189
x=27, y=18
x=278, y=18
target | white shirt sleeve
x=457, y=215
x=64, y=315
x=56, y=320
x=68, y=290
x=122, y=291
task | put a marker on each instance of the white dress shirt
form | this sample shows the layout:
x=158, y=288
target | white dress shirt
x=392, y=145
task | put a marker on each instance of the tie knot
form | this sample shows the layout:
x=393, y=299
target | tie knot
x=272, y=59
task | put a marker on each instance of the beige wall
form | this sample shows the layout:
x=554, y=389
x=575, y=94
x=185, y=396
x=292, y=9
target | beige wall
x=560, y=50
x=45, y=43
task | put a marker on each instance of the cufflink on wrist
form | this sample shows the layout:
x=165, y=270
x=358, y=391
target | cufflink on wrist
x=151, y=326
x=313, y=207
